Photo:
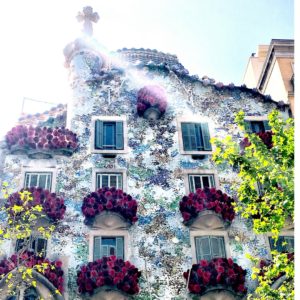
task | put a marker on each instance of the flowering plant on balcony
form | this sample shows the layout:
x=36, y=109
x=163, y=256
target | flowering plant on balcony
x=52, y=205
x=110, y=200
x=42, y=138
x=206, y=199
x=108, y=271
x=52, y=270
x=214, y=273
x=150, y=99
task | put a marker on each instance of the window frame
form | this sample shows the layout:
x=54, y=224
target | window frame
x=197, y=233
x=288, y=233
x=192, y=119
x=109, y=119
x=109, y=171
x=116, y=247
x=108, y=233
x=188, y=172
x=285, y=232
x=256, y=119
x=36, y=168
x=31, y=239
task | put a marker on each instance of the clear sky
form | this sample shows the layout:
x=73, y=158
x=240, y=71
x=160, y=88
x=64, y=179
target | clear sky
x=214, y=38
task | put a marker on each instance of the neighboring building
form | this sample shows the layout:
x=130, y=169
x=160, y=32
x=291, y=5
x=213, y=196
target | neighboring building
x=144, y=125
x=271, y=71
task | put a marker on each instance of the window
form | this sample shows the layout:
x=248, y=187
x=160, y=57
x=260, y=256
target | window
x=109, y=135
x=31, y=294
x=36, y=244
x=209, y=247
x=195, y=137
x=107, y=246
x=38, y=179
x=283, y=244
x=109, y=180
x=200, y=181
x=256, y=126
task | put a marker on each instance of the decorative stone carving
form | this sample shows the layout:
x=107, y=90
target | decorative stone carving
x=108, y=293
x=110, y=220
x=208, y=220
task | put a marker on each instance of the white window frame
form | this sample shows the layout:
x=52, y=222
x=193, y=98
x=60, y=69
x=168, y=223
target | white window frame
x=204, y=172
x=38, y=169
x=192, y=119
x=109, y=119
x=109, y=171
x=197, y=233
x=38, y=174
x=109, y=233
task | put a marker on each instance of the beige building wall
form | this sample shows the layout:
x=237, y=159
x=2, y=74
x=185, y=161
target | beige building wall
x=271, y=70
x=275, y=85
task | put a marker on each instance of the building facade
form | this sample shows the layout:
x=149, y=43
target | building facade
x=271, y=71
x=143, y=126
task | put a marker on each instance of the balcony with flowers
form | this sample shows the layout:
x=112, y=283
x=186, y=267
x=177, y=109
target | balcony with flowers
x=109, y=208
x=48, y=275
x=47, y=206
x=207, y=208
x=108, y=278
x=151, y=102
x=219, y=278
x=41, y=142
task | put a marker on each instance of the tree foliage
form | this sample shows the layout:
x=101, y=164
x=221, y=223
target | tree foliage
x=22, y=222
x=269, y=165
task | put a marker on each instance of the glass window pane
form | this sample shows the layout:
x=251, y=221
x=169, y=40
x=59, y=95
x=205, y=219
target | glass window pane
x=205, y=180
x=113, y=180
x=198, y=183
x=42, y=181
x=109, y=135
x=104, y=181
x=33, y=180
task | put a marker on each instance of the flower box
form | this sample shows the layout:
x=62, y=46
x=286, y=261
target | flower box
x=53, y=273
x=53, y=206
x=41, y=142
x=109, y=200
x=206, y=199
x=151, y=102
x=216, y=274
x=108, y=273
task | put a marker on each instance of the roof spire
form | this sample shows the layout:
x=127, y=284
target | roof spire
x=88, y=16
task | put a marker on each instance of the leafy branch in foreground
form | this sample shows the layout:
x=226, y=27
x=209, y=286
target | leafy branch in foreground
x=27, y=219
x=265, y=189
x=271, y=169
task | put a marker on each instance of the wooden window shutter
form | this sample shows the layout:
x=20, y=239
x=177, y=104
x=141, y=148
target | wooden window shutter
x=267, y=125
x=98, y=134
x=120, y=247
x=104, y=251
x=97, y=248
x=203, y=250
x=119, y=136
x=217, y=246
x=186, y=136
x=199, y=139
x=248, y=127
x=206, y=137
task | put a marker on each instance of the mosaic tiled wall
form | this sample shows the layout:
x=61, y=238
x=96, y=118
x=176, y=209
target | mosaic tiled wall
x=154, y=170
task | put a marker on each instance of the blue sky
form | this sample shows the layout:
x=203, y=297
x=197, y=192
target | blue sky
x=214, y=38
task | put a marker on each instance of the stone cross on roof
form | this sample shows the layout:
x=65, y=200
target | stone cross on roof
x=88, y=16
